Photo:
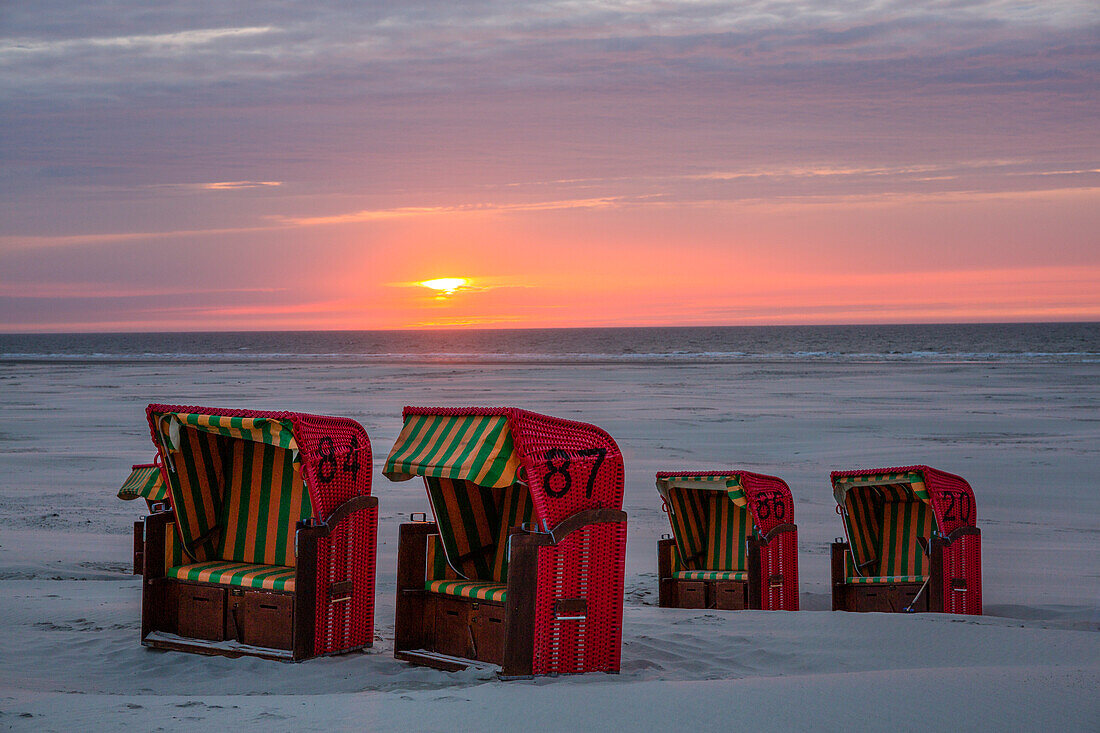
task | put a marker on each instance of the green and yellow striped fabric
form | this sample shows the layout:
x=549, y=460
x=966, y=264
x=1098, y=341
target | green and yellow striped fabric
x=257, y=429
x=884, y=523
x=173, y=549
x=245, y=575
x=741, y=575
x=264, y=499
x=436, y=561
x=197, y=491
x=710, y=529
x=476, y=448
x=473, y=523
x=863, y=509
x=145, y=482
x=903, y=522
x=913, y=480
x=478, y=591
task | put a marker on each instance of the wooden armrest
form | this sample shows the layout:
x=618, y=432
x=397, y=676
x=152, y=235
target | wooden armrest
x=572, y=523
x=778, y=530
x=962, y=532
x=339, y=514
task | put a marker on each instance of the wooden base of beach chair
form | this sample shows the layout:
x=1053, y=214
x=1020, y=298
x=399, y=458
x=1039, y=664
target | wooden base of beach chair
x=139, y=547
x=201, y=616
x=954, y=584
x=452, y=633
x=728, y=595
x=880, y=597
x=229, y=620
x=458, y=633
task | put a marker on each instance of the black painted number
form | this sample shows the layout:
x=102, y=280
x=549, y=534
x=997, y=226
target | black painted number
x=558, y=462
x=326, y=469
x=957, y=501
x=769, y=503
x=351, y=459
x=599, y=453
x=559, y=468
x=327, y=466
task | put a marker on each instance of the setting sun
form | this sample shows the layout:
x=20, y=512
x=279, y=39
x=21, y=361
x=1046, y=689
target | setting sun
x=446, y=285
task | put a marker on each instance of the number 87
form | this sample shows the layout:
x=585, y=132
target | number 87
x=558, y=462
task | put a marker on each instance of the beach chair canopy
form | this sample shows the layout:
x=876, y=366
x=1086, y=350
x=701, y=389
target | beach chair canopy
x=240, y=480
x=891, y=513
x=490, y=469
x=713, y=513
x=144, y=482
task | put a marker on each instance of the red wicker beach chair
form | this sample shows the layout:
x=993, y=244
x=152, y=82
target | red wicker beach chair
x=523, y=566
x=144, y=482
x=268, y=548
x=734, y=543
x=912, y=542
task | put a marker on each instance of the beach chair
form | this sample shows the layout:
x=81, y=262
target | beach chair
x=523, y=566
x=268, y=548
x=734, y=543
x=144, y=482
x=912, y=543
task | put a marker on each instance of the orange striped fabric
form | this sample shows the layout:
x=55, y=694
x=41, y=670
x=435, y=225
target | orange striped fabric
x=245, y=575
x=884, y=523
x=196, y=488
x=264, y=499
x=711, y=531
x=473, y=524
x=864, y=507
x=436, y=561
x=905, y=521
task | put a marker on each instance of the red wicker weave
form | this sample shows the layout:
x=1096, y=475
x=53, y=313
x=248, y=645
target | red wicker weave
x=771, y=505
x=956, y=511
x=344, y=534
x=589, y=562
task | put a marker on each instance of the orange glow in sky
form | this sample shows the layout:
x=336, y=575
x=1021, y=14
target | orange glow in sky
x=533, y=164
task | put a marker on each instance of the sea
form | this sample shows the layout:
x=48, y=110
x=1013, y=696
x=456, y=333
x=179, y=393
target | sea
x=1011, y=342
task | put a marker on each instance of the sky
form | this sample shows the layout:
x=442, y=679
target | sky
x=287, y=165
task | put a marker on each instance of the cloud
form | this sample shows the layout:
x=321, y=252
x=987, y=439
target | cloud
x=167, y=42
x=469, y=208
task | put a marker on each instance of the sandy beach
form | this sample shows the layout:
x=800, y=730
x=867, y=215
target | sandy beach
x=1026, y=435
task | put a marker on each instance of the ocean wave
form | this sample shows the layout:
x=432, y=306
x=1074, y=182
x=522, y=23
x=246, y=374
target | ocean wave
x=561, y=357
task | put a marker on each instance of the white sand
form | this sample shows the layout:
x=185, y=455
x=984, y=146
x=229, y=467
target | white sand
x=1026, y=436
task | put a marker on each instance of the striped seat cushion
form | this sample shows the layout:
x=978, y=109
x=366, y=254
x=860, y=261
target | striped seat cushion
x=245, y=575
x=741, y=575
x=881, y=579
x=469, y=589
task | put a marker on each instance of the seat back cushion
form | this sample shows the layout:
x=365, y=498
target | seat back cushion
x=264, y=499
x=515, y=510
x=727, y=533
x=197, y=491
x=710, y=530
x=687, y=511
x=436, y=561
x=473, y=524
x=902, y=523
